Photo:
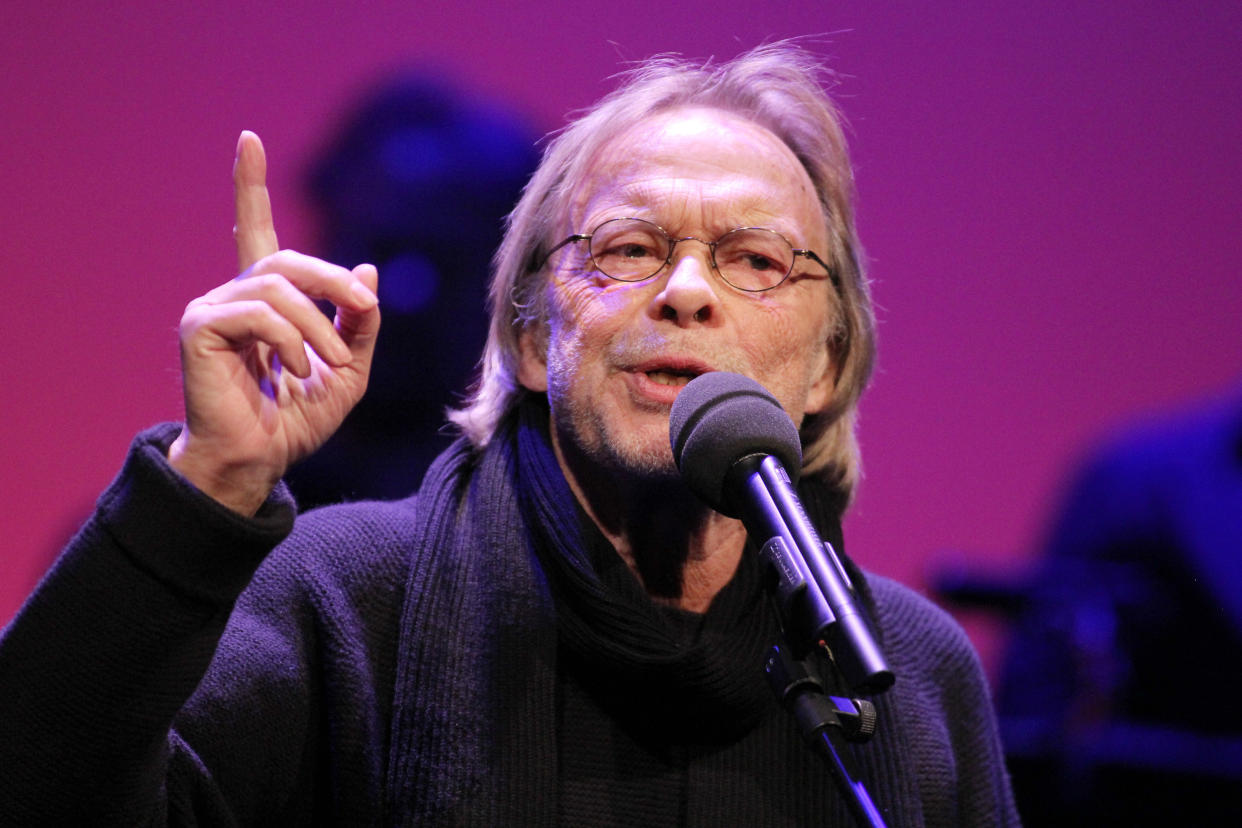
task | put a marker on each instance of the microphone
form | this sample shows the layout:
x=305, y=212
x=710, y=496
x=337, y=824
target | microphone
x=736, y=449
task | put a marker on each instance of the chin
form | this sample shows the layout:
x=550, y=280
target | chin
x=646, y=462
x=643, y=455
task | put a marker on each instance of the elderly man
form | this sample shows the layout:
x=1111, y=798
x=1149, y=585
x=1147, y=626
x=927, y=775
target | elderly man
x=553, y=630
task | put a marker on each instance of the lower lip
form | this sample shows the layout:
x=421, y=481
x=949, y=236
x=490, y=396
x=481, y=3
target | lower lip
x=646, y=388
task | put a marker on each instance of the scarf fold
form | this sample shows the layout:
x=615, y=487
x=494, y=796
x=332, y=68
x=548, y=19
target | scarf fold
x=507, y=575
x=636, y=655
x=473, y=727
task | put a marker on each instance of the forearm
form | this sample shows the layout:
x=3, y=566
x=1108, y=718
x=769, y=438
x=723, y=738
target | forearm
x=115, y=640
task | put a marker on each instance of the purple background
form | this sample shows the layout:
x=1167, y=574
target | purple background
x=1050, y=200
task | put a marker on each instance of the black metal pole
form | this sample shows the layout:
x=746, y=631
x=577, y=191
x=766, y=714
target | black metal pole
x=803, y=695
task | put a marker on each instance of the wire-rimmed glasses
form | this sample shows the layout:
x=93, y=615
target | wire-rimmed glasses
x=752, y=259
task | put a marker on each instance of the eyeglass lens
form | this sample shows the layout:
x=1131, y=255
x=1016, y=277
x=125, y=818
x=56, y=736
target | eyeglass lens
x=631, y=250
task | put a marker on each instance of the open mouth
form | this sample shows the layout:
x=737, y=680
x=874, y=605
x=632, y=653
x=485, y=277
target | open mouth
x=673, y=378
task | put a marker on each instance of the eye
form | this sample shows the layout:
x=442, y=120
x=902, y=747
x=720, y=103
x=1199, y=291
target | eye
x=628, y=249
x=757, y=261
x=754, y=250
x=753, y=258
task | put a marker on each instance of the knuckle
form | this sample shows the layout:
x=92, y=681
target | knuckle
x=192, y=316
x=271, y=287
x=285, y=257
x=267, y=282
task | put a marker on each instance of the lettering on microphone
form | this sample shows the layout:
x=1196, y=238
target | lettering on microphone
x=788, y=577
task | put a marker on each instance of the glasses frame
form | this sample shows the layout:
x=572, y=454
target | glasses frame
x=673, y=241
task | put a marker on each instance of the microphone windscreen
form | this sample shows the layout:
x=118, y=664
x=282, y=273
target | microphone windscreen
x=718, y=419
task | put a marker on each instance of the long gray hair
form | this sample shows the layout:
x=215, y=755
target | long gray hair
x=779, y=87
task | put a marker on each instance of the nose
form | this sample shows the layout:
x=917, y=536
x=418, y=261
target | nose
x=689, y=292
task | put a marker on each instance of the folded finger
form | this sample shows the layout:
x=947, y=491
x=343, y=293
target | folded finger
x=318, y=279
x=238, y=325
x=358, y=327
x=292, y=304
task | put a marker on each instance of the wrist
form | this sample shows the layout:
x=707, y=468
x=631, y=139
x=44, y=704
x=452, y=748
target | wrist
x=240, y=486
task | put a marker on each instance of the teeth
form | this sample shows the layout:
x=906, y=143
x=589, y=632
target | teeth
x=665, y=378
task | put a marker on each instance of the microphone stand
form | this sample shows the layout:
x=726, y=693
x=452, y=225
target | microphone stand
x=827, y=723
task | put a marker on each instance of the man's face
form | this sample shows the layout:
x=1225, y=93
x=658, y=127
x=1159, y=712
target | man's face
x=619, y=352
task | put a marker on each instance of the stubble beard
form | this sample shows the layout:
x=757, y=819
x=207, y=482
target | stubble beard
x=638, y=458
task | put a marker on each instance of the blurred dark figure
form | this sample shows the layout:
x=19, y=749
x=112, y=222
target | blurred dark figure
x=1121, y=696
x=418, y=182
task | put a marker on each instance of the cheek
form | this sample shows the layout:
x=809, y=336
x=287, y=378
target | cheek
x=790, y=349
x=583, y=313
x=582, y=321
x=781, y=337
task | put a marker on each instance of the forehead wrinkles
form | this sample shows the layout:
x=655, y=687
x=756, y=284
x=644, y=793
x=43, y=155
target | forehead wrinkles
x=685, y=205
x=698, y=171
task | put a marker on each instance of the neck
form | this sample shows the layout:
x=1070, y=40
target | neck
x=681, y=551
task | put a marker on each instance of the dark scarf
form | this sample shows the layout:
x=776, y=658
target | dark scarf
x=508, y=576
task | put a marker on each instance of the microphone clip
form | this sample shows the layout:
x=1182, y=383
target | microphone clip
x=802, y=691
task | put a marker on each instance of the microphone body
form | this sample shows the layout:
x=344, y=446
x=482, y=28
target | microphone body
x=735, y=447
x=815, y=593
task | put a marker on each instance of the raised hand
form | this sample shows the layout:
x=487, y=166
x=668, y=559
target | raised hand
x=267, y=377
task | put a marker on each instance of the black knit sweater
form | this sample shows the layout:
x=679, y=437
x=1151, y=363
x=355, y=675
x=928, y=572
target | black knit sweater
x=403, y=663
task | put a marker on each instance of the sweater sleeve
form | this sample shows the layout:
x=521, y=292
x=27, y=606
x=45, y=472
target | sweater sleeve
x=946, y=708
x=114, y=641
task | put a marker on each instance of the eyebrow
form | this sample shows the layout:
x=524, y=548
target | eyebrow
x=636, y=200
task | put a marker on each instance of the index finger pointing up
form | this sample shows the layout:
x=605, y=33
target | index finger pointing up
x=253, y=231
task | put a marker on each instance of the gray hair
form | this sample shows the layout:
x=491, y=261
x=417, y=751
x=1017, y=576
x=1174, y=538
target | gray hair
x=777, y=86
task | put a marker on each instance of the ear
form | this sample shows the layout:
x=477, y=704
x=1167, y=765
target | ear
x=533, y=363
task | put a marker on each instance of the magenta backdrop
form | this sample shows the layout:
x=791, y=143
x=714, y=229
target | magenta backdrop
x=1049, y=200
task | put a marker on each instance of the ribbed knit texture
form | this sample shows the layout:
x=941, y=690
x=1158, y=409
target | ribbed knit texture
x=400, y=663
x=631, y=746
x=705, y=686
